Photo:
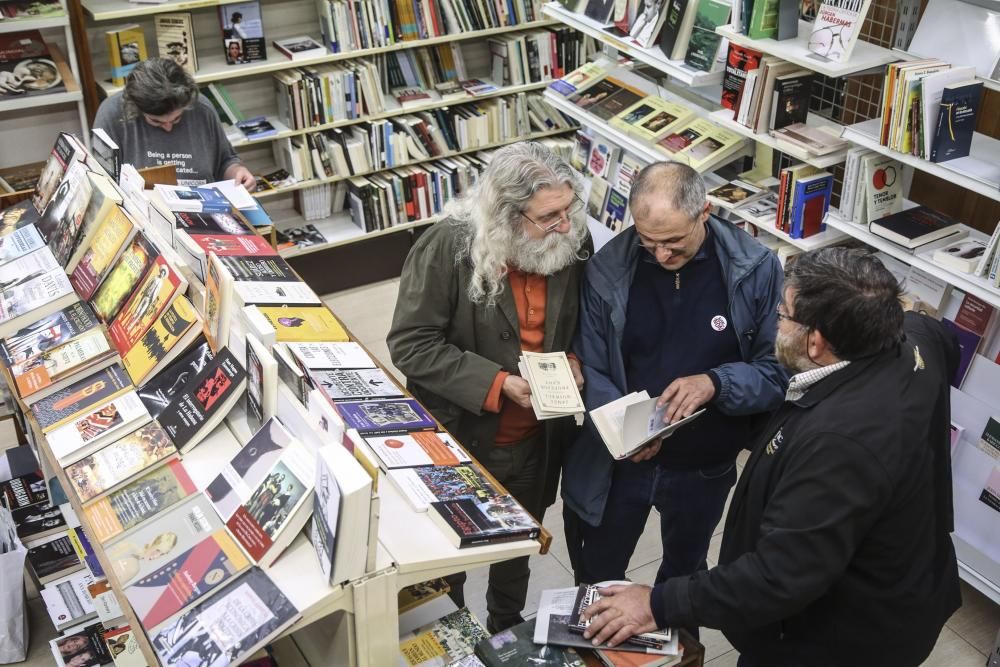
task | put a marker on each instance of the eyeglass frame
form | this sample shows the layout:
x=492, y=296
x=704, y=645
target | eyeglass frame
x=564, y=215
x=785, y=317
x=672, y=246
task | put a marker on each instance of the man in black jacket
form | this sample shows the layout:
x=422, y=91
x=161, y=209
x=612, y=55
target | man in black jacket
x=836, y=548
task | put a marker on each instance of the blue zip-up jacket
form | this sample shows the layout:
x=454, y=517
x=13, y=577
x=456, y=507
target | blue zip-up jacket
x=757, y=384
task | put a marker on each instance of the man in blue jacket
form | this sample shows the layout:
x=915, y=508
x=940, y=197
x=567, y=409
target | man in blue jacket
x=682, y=305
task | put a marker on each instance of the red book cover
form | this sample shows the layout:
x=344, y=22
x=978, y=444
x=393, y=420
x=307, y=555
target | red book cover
x=226, y=245
x=813, y=211
x=739, y=61
x=782, y=192
x=974, y=315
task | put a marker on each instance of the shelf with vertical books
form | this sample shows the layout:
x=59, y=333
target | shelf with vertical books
x=652, y=56
x=866, y=56
x=724, y=117
x=978, y=172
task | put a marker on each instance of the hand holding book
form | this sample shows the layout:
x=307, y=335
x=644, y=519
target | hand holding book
x=684, y=396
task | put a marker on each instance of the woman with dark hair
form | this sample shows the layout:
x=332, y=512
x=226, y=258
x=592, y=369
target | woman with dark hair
x=160, y=119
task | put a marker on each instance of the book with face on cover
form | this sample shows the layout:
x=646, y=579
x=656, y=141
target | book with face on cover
x=86, y=434
x=113, y=233
x=139, y=501
x=158, y=288
x=80, y=397
x=108, y=468
x=83, y=648
x=248, y=468
x=47, y=333
x=128, y=269
x=170, y=335
x=155, y=543
x=227, y=627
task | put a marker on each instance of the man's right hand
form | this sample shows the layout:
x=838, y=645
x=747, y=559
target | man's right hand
x=517, y=389
x=647, y=452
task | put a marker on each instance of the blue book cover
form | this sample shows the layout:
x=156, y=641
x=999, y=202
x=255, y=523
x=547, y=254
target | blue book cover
x=811, y=202
x=968, y=343
x=386, y=416
x=956, y=121
x=213, y=201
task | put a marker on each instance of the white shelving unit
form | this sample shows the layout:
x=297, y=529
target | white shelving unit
x=827, y=237
x=979, y=172
x=724, y=117
x=653, y=57
x=113, y=10
x=866, y=56
x=29, y=124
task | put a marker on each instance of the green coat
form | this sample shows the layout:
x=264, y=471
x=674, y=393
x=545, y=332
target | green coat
x=451, y=349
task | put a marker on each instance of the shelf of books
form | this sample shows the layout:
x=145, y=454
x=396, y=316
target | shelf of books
x=216, y=66
x=112, y=10
x=979, y=171
x=226, y=451
x=652, y=56
x=8, y=25
x=865, y=56
x=340, y=230
x=724, y=117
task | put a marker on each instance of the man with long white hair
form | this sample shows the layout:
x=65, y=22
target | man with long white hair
x=498, y=276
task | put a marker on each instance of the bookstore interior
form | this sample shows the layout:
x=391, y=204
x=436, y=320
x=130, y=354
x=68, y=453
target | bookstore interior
x=200, y=465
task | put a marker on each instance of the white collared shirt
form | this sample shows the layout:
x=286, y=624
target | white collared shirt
x=801, y=382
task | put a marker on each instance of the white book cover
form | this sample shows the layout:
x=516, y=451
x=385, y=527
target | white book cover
x=85, y=435
x=315, y=356
x=325, y=417
x=631, y=422
x=417, y=449
x=355, y=384
x=23, y=269
x=21, y=296
x=341, y=514
x=283, y=292
x=837, y=27
x=19, y=243
x=68, y=601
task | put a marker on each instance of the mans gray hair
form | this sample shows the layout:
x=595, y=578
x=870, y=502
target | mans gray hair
x=681, y=186
x=492, y=214
x=158, y=86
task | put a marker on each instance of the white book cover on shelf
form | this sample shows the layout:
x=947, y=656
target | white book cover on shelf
x=68, y=601
x=417, y=449
x=922, y=286
x=837, y=28
x=341, y=514
x=274, y=293
x=962, y=256
x=19, y=243
x=319, y=356
x=85, y=435
x=325, y=417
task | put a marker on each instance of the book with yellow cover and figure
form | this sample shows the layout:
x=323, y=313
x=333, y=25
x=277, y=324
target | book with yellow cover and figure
x=172, y=333
x=303, y=324
x=155, y=292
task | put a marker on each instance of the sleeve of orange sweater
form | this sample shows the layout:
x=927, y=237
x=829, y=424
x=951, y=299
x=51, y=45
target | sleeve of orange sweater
x=494, y=398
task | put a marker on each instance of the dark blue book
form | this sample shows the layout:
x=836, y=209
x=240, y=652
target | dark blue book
x=397, y=416
x=968, y=343
x=257, y=128
x=956, y=120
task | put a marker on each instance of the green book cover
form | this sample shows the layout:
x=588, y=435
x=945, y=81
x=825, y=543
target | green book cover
x=764, y=20
x=704, y=44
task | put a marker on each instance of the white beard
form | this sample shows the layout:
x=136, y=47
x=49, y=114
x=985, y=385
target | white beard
x=547, y=255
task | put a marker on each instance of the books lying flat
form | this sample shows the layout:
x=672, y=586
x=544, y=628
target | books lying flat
x=112, y=234
x=205, y=401
x=138, y=501
x=398, y=416
x=516, y=646
x=664, y=641
x=53, y=559
x=469, y=522
x=186, y=579
x=915, y=227
x=155, y=543
x=315, y=356
x=429, y=484
x=444, y=641
x=355, y=385
x=227, y=627
x=417, y=449
x=111, y=466
x=341, y=514
x=554, y=392
x=68, y=601
x=85, y=435
x=631, y=422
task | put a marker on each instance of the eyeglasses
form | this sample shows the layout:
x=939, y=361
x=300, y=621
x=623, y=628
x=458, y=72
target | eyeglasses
x=783, y=317
x=556, y=218
x=670, y=244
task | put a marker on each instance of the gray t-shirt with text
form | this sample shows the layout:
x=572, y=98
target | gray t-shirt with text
x=197, y=144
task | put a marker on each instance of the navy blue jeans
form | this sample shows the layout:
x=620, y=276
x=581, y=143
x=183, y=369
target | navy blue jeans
x=690, y=503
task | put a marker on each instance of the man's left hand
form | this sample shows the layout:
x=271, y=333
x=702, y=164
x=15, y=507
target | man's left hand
x=622, y=612
x=243, y=177
x=574, y=366
x=685, y=395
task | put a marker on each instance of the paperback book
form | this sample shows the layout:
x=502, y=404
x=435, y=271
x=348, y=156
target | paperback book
x=262, y=383
x=170, y=335
x=447, y=639
x=341, y=507
x=329, y=356
x=243, y=32
x=417, y=449
x=85, y=647
x=111, y=235
x=53, y=559
x=424, y=485
x=27, y=66
x=27, y=298
x=469, y=522
x=55, y=368
x=37, y=521
x=355, y=385
x=80, y=397
x=23, y=491
x=67, y=600
x=151, y=297
x=302, y=324
x=120, y=282
x=85, y=435
x=374, y=417
x=28, y=344
x=158, y=392
x=175, y=40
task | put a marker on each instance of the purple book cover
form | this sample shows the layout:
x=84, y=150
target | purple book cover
x=386, y=416
x=968, y=343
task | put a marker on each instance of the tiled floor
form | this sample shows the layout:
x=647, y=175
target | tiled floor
x=367, y=312
x=964, y=642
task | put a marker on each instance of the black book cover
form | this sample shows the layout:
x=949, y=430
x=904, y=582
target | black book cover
x=211, y=223
x=515, y=646
x=268, y=269
x=47, y=333
x=956, y=121
x=157, y=393
x=24, y=491
x=672, y=25
x=37, y=521
x=915, y=224
x=52, y=557
x=791, y=100
x=202, y=399
x=497, y=519
x=88, y=392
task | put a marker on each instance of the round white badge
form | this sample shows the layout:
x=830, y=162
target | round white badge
x=719, y=323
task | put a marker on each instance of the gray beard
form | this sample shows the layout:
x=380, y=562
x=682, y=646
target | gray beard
x=544, y=256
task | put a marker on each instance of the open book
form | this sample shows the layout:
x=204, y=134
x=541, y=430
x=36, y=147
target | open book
x=553, y=390
x=631, y=422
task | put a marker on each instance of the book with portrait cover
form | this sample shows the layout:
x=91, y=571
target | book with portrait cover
x=188, y=578
x=227, y=627
x=399, y=416
x=151, y=297
x=55, y=368
x=129, y=268
x=155, y=543
x=110, y=467
x=86, y=434
x=142, y=499
x=248, y=468
x=316, y=356
x=47, y=333
x=84, y=648
x=175, y=40
x=303, y=324
x=170, y=335
x=37, y=521
x=355, y=384
x=22, y=491
x=113, y=233
x=81, y=396
x=205, y=401
x=124, y=647
x=157, y=393
x=469, y=522
x=278, y=507
x=242, y=32
x=53, y=559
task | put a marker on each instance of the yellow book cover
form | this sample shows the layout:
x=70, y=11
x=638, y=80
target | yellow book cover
x=111, y=234
x=160, y=339
x=713, y=146
x=126, y=49
x=154, y=293
x=304, y=324
x=218, y=300
x=667, y=117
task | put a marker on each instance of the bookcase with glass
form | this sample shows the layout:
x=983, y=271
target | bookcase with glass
x=333, y=103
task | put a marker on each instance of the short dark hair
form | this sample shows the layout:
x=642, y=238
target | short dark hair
x=158, y=86
x=848, y=296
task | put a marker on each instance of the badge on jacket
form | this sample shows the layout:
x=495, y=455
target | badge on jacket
x=775, y=444
x=719, y=323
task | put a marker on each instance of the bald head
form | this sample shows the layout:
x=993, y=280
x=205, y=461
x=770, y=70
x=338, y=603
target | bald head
x=671, y=184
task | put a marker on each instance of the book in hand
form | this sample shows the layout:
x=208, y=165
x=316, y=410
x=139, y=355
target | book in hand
x=516, y=646
x=915, y=227
x=470, y=522
x=155, y=543
x=632, y=422
x=956, y=120
x=85, y=435
x=205, y=401
x=417, y=449
x=587, y=594
x=392, y=416
x=341, y=514
x=444, y=641
x=52, y=559
x=227, y=627
x=554, y=393
x=424, y=485
x=188, y=578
